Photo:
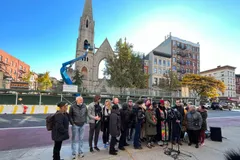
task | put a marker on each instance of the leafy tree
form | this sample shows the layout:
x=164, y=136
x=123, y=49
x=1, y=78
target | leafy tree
x=125, y=69
x=44, y=81
x=27, y=76
x=77, y=78
x=204, y=86
x=170, y=82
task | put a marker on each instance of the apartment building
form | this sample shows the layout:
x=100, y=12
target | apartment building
x=185, y=55
x=12, y=67
x=157, y=64
x=237, y=79
x=227, y=75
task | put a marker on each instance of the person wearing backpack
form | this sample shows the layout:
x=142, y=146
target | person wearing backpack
x=60, y=129
x=78, y=117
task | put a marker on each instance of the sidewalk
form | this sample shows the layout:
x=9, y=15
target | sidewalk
x=211, y=150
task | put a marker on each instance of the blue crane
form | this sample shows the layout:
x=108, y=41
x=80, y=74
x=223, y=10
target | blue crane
x=68, y=64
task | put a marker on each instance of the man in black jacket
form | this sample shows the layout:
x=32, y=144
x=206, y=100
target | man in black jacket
x=139, y=116
x=177, y=123
x=60, y=129
x=78, y=117
x=114, y=127
x=124, y=115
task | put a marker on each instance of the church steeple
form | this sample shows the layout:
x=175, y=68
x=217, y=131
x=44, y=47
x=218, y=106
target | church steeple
x=87, y=11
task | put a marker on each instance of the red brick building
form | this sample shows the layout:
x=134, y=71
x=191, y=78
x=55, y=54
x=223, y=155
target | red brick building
x=12, y=67
x=237, y=79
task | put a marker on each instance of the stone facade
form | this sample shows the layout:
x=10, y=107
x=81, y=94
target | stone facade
x=89, y=66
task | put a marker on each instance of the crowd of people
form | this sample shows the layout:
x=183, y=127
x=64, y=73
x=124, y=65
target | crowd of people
x=156, y=123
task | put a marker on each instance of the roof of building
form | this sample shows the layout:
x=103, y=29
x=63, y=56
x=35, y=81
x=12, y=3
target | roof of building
x=3, y=52
x=218, y=68
x=185, y=42
x=157, y=53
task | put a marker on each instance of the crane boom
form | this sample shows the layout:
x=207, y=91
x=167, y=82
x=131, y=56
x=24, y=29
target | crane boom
x=63, y=70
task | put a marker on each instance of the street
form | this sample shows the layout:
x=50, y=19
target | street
x=26, y=131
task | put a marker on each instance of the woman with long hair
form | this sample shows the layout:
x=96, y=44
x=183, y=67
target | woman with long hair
x=105, y=122
x=203, y=111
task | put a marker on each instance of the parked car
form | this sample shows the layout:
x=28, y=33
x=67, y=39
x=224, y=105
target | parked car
x=207, y=106
x=215, y=105
x=225, y=105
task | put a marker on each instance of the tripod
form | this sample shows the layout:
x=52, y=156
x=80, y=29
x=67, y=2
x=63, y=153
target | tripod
x=171, y=151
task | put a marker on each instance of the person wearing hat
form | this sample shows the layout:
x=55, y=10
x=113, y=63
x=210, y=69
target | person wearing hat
x=160, y=122
x=114, y=128
x=60, y=129
x=151, y=122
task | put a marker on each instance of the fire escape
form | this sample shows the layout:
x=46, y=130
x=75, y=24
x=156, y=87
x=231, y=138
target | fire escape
x=3, y=68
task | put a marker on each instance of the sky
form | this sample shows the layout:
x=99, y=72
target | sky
x=43, y=33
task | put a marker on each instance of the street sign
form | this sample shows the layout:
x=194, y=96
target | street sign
x=70, y=88
x=19, y=85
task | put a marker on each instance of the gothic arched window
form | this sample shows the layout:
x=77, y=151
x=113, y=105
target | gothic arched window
x=87, y=23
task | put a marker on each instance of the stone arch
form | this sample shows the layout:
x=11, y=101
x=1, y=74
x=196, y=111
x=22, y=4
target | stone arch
x=104, y=51
x=84, y=72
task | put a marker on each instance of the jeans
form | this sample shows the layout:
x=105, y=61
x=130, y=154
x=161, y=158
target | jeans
x=94, y=128
x=137, y=135
x=56, y=150
x=77, y=137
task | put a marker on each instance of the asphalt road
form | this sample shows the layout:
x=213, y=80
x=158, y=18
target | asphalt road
x=26, y=131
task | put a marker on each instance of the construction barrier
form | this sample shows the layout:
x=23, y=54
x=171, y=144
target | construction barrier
x=32, y=109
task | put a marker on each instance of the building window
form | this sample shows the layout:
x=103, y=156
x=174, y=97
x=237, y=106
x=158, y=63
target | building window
x=174, y=51
x=164, y=63
x=174, y=59
x=168, y=63
x=193, y=64
x=155, y=60
x=20, y=67
x=174, y=43
x=174, y=68
x=155, y=81
x=155, y=70
x=11, y=70
x=6, y=60
x=160, y=62
x=87, y=23
x=0, y=58
x=164, y=71
x=188, y=62
x=160, y=71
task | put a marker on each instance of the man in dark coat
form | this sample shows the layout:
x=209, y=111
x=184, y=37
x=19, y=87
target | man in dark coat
x=178, y=115
x=139, y=116
x=60, y=129
x=114, y=127
x=124, y=115
x=131, y=124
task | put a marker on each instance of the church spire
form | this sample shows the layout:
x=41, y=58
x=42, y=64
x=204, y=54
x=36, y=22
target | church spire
x=87, y=11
